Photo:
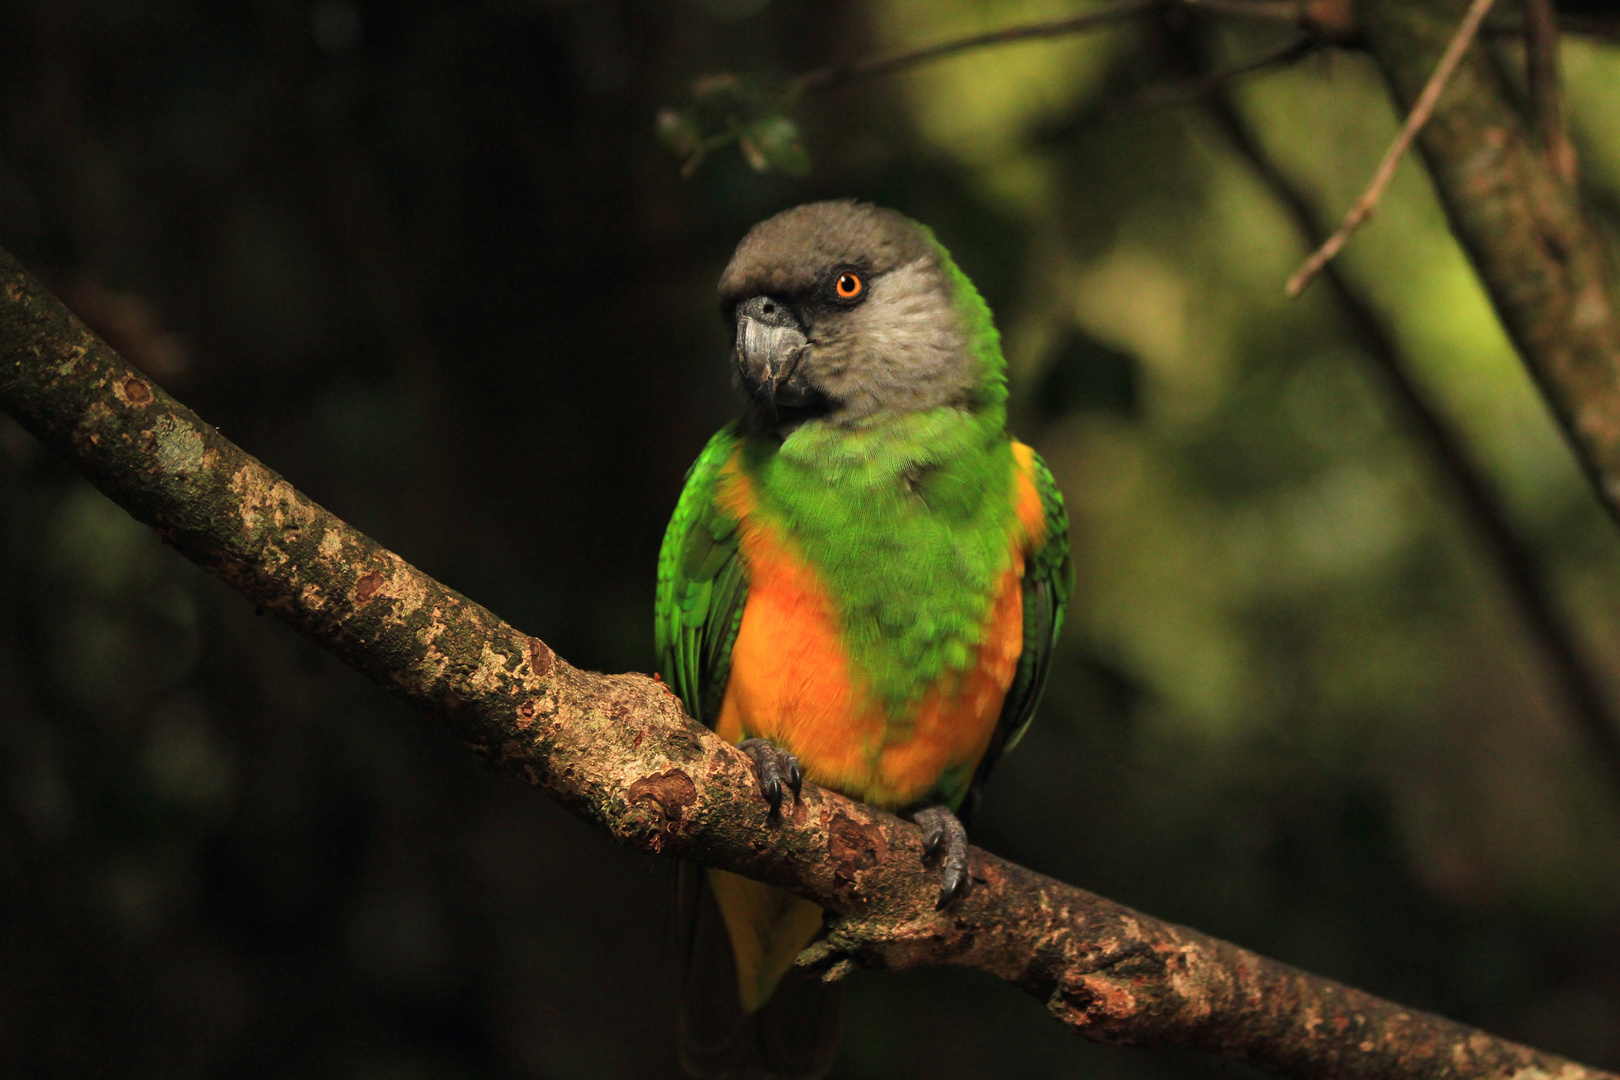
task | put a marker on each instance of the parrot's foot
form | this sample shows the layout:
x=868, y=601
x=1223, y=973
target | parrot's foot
x=776, y=768
x=882, y=937
x=834, y=956
x=879, y=938
x=944, y=836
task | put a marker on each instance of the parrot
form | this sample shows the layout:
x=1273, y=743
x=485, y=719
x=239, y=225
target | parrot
x=861, y=585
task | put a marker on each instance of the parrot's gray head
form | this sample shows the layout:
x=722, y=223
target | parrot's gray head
x=843, y=310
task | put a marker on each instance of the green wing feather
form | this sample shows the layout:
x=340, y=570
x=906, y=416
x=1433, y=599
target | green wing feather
x=702, y=587
x=1048, y=580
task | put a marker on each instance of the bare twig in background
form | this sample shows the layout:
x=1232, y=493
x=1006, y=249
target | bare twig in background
x=619, y=752
x=1293, y=11
x=1300, y=12
x=1515, y=562
x=1421, y=111
x=1599, y=27
x=728, y=109
x=1189, y=90
x=1547, y=270
x=883, y=65
x=1546, y=95
x=1592, y=25
x=1325, y=20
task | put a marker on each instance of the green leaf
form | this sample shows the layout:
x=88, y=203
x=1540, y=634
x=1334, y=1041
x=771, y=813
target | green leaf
x=726, y=108
x=774, y=142
x=679, y=130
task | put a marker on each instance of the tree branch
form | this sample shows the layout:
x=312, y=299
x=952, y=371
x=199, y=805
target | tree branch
x=865, y=66
x=1421, y=111
x=726, y=108
x=1547, y=271
x=1515, y=562
x=1324, y=20
x=1541, y=41
x=1193, y=87
x=619, y=752
x=1321, y=18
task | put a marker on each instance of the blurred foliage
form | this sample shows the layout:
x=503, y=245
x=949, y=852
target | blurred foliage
x=727, y=109
x=427, y=260
x=1085, y=373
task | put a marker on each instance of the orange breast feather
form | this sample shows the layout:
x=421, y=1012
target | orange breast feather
x=793, y=682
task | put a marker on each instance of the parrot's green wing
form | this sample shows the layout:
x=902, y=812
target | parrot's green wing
x=1048, y=579
x=702, y=587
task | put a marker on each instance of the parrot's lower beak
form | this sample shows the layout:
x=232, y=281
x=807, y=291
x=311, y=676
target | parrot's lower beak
x=770, y=343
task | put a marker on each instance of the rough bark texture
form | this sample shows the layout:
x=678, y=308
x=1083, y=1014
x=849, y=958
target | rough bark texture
x=619, y=751
x=1547, y=271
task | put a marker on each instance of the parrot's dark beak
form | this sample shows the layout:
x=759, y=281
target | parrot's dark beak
x=770, y=343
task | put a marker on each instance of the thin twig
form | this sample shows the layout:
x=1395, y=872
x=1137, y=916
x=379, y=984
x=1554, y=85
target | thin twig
x=1187, y=90
x=1293, y=11
x=1547, y=268
x=1541, y=70
x=1269, y=10
x=1323, y=21
x=1604, y=28
x=1421, y=111
x=1516, y=564
x=882, y=65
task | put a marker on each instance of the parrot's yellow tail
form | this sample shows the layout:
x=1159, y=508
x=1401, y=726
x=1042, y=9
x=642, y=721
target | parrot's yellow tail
x=745, y=1010
x=768, y=928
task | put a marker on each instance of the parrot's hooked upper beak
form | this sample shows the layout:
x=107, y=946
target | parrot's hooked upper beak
x=770, y=344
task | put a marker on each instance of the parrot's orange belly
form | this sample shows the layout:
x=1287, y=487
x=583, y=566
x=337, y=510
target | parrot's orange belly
x=793, y=682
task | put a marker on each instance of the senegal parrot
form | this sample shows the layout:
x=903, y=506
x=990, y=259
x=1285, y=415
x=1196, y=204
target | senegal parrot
x=861, y=585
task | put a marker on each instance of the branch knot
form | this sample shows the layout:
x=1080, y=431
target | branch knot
x=658, y=806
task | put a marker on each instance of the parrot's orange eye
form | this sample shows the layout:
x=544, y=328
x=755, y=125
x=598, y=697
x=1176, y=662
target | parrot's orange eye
x=848, y=286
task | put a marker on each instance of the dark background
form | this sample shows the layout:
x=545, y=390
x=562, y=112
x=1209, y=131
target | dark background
x=428, y=261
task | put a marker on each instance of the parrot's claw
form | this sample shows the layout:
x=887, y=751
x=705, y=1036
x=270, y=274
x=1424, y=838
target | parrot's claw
x=944, y=836
x=776, y=767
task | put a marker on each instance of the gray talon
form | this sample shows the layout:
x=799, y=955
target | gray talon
x=775, y=767
x=933, y=834
x=943, y=835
